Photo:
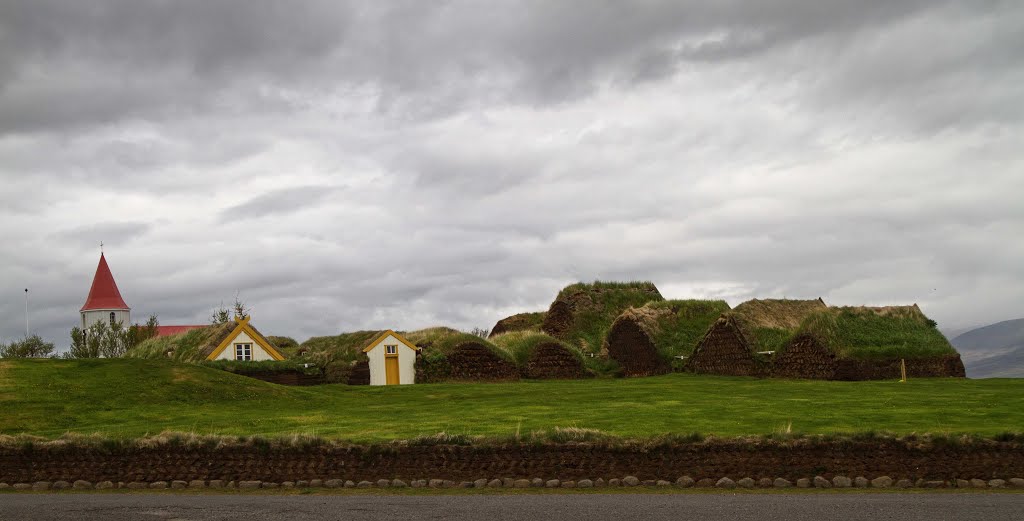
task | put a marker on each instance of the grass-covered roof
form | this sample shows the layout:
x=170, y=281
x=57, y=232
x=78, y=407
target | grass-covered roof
x=876, y=332
x=583, y=312
x=520, y=345
x=767, y=324
x=192, y=346
x=439, y=342
x=344, y=348
x=675, y=326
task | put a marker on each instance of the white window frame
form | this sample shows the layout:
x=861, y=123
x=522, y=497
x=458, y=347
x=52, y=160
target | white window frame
x=390, y=350
x=243, y=352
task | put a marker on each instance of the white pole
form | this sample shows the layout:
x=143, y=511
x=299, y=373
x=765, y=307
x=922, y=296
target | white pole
x=26, y=312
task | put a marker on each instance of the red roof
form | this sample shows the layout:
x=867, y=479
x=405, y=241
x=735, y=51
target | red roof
x=104, y=294
x=175, y=330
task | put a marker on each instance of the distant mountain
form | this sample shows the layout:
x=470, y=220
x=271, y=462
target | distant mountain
x=994, y=350
x=1007, y=365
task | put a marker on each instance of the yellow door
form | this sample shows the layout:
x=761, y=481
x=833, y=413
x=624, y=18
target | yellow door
x=391, y=370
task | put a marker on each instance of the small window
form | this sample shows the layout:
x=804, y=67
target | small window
x=391, y=350
x=112, y=318
x=243, y=351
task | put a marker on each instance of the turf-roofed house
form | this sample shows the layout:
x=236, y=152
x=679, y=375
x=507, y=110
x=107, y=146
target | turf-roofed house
x=657, y=337
x=236, y=340
x=450, y=355
x=867, y=343
x=741, y=342
x=582, y=313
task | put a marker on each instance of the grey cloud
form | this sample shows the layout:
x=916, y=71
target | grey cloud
x=110, y=232
x=287, y=200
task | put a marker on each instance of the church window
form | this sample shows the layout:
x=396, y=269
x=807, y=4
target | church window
x=243, y=351
x=391, y=350
x=112, y=318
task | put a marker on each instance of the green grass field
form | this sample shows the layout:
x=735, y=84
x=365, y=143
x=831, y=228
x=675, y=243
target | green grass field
x=130, y=398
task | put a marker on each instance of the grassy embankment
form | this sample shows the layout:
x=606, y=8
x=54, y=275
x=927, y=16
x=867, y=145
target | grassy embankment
x=129, y=398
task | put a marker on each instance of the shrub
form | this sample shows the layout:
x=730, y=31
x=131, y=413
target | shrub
x=30, y=347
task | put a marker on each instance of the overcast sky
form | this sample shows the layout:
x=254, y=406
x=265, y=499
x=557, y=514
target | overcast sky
x=406, y=164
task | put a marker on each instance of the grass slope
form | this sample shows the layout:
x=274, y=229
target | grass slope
x=132, y=397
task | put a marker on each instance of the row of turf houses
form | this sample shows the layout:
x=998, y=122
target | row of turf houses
x=642, y=334
x=625, y=329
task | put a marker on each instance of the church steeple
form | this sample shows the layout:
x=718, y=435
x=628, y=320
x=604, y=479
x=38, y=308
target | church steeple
x=104, y=302
x=104, y=294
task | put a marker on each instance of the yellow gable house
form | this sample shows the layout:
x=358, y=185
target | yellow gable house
x=244, y=343
x=392, y=359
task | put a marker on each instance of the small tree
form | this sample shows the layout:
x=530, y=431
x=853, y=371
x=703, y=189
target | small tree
x=114, y=340
x=99, y=340
x=83, y=343
x=138, y=334
x=240, y=310
x=220, y=315
x=480, y=332
x=30, y=347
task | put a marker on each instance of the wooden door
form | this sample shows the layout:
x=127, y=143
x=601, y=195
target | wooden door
x=391, y=370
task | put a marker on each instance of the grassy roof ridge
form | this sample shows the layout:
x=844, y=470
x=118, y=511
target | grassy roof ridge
x=520, y=344
x=777, y=313
x=877, y=332
x=526, y=321
x=768, y=324
x=577, y=287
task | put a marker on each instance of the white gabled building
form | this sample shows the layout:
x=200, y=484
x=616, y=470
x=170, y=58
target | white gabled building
x=392, y=359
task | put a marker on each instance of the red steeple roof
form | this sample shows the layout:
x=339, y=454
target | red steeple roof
x=103, y=294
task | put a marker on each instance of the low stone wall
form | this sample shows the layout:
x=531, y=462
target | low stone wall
x=737, y=459
x=838, y=482
x=889, y=368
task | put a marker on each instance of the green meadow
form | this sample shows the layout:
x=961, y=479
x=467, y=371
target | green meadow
x=127, y=398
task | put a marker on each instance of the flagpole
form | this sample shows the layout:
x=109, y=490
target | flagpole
x=26, y=312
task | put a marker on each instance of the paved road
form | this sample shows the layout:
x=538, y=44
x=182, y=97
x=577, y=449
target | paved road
x=590, y=507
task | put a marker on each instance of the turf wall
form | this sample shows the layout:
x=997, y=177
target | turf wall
x=899, y=459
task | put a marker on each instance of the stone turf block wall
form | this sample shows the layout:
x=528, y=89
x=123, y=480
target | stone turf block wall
x=709, y=460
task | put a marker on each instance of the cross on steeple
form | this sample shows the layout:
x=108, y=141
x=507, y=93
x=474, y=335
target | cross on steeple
x=101, y=247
